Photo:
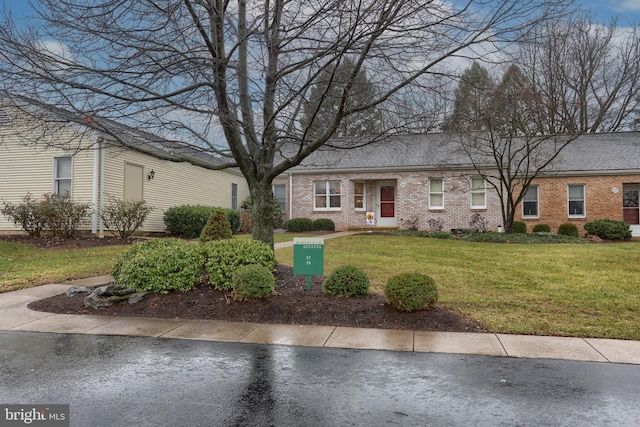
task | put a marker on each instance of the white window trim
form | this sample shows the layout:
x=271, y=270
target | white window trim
x=584, y=202
x=483, y=191
x=327, y=195
x=56, y=178
x=364, y=196
x=537, y=203
x=431, y=205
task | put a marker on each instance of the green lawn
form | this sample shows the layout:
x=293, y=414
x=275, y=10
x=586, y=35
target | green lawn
x=589, y=290
x=23, y=266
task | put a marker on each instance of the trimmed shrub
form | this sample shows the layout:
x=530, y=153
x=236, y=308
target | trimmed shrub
x=542, y=228
x=159, y=265
x=519, y=227
x=27, y=215
x=63, y=216
x=223, y=257
x=124, y=217
x=217, y=228
x=609, y=229
x=411, y=291
x=252, y=281
x=347, y=281
x=568, y=229
x=297, y=225
x=188, y=221
x=324, y=224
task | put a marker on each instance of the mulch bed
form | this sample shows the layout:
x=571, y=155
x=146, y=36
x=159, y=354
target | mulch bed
x=290, y=304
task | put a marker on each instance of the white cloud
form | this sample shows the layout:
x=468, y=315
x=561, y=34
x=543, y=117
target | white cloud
x=627, y=5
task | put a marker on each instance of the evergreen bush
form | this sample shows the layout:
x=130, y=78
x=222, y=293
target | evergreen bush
x=411, y=291
x=609, y=229
x=519, y=227
x=297, y=225
x=159, y=265
x=252, y=281
x=347, y=281
x=188, y=221
x=542, y=228
x=568, y=229
x=217, y=227
x=223, y=257
x=324, y=224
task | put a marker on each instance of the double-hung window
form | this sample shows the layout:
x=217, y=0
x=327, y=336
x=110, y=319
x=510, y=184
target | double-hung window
x=576, y=201
x=62, y=171
x=530, y=202
x=326, y=195
x=359, y=191
x=280, y=193
x=436, y=193
x=478, y=193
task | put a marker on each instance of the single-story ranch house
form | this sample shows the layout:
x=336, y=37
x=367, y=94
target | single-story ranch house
x=427, y=182
x=47, y=150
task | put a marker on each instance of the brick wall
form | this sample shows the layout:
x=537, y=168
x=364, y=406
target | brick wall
x=412, y=196
x=601, y=200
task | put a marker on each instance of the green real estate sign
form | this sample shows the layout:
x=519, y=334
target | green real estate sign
x=308, y=257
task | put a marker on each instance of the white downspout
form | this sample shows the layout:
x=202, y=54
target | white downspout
x=96, y=187
x=102, y=156
x=290, y=196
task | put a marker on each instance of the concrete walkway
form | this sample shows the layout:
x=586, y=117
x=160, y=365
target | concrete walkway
x=15, y=316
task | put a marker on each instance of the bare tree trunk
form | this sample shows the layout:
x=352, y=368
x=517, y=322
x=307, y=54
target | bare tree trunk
x=262, y=211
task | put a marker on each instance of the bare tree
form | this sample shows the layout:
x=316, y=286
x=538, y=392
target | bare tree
x=511, y=147
x=245, y=67
x=588, y=73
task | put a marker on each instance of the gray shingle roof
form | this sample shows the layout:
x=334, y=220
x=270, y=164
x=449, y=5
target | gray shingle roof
x=605, y=152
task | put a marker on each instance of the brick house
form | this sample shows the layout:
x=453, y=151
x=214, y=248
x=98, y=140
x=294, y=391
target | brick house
x=427, y=182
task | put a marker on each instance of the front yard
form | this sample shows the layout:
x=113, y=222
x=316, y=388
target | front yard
x=588, y=290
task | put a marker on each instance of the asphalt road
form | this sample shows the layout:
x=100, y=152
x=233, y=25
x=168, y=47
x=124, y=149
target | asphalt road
x=126, y=381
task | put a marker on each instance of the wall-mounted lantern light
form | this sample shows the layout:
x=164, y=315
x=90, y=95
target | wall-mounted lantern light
x=151, y=175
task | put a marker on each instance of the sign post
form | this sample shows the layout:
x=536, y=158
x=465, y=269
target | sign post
x=308, y=257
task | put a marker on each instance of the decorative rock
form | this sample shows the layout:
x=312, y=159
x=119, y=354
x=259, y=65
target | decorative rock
x=75, y=290
x=106, y=296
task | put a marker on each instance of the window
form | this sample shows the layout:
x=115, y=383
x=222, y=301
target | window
x=530, y=202
x=576, y=200
x=436, y=193
x=280, y=193
x=478, y=193
x=359, y=191
x=326, y=195
x=234, y=196
x=62, y=175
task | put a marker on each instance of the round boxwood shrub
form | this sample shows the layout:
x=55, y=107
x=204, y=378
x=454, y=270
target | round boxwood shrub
x=297, y=225
x=542, y=228
x=324, y=224
x=519, y=227
x=568, y=229
x=347, y=281
x=159, y=265
x=411, y=291
x=223, y=257
x=217, y=228
x=609, y=229
x=252, y=281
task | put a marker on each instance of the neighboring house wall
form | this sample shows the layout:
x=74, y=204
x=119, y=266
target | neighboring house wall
x=28, y=169
x=603, y=200
x=411, y=202
x=173, y=184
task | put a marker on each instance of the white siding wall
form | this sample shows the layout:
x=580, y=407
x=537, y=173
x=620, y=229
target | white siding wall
x=174, y=184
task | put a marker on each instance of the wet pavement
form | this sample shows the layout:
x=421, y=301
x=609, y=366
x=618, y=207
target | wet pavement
x=140, y=381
